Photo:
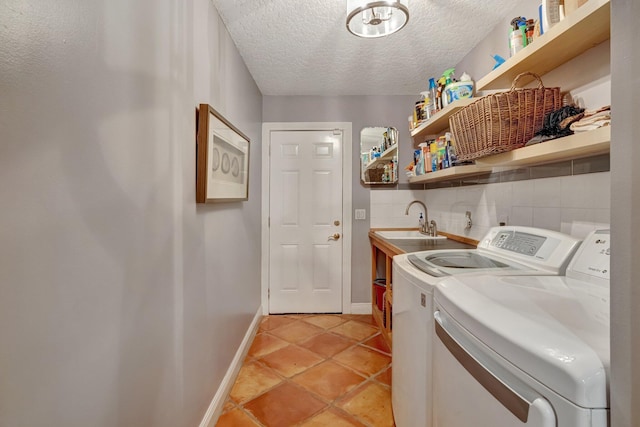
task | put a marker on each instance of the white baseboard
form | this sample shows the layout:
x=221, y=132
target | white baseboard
x=360, y=308
x=217, y=403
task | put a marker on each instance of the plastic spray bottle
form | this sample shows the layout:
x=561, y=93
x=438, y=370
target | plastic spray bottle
x=448, y=79
x=433, y=106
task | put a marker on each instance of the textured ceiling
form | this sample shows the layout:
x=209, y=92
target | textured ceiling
x=303, y=47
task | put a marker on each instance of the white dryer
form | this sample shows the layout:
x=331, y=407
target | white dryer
x=525, y=351
x=511, y=250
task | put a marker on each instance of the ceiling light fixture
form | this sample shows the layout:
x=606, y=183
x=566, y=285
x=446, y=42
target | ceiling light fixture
x=372, y=19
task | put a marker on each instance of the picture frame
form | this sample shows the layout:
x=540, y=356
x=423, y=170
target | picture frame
x=222, y=159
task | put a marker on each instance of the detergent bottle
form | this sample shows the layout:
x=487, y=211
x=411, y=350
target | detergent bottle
x=448, y=79
x=459, y=90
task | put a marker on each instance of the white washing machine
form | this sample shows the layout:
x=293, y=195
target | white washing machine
x=525, y=351
x=511, y=250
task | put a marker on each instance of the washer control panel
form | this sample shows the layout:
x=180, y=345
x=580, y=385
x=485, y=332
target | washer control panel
x=518, y=242
x=545, y=249
x=593, y=257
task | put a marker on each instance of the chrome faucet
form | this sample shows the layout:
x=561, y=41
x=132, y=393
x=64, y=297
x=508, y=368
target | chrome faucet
x=426, y=227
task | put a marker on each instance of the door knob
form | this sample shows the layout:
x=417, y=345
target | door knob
x=336, y=236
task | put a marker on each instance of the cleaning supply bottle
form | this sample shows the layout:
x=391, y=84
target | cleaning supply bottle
x=517, y=34
x=422, y=168
x=451, y=151
x=426, y=105
x=440, y=93
x=448, y=79
x=459, y=90
x=427, y=158
x=418, y=112
x=448, y=75
x=394, y=169
x=434, y=156
x=433, y=106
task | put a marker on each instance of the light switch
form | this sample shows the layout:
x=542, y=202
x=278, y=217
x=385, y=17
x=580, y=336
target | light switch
x=361, y=214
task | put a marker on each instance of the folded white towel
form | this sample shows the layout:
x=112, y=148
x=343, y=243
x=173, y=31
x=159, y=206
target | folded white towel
x=592, y=120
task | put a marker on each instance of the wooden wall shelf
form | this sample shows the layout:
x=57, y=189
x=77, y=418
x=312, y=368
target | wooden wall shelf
x=440, y=121
x=384, y=157
x=570, y=147
x=448, y=174
x=584, y=28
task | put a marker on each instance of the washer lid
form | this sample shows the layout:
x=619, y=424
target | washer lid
x=555, y=329
x=460, y=261
x=504, y=250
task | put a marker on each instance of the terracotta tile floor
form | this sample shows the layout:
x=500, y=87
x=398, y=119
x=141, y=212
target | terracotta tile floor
x=313, y=371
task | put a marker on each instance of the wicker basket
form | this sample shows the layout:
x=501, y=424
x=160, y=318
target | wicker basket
x=374, y=174
x=502, y=121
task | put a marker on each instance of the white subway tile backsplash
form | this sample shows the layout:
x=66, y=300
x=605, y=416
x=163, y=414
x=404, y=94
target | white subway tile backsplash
x=522, y=193
x=404, y=197
x=602, y=216
x=472, y=195
x=483, y=215
x=503, y=214
x=499, y=193
x=521, y=215
x=571, y=204
x=379, y=223
x=549, y=218
x=577, y=214
x=587, y=191
x=406, y=222
x=381, y=210
x=580, y=229
x=575, y=192
x=579, y=222
x=547, y=192
x=476, y=232
x=441, y=196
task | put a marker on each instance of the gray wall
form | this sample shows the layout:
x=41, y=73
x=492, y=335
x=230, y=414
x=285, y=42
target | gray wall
x=122, y=303
x=586, y=77
x=625, y=210
x=478, y=62
x=361, y=111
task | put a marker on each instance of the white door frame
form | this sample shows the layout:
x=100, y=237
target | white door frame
x=347, y=150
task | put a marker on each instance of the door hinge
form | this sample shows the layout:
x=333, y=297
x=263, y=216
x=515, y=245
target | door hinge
x=269, y=222
x=268, y=293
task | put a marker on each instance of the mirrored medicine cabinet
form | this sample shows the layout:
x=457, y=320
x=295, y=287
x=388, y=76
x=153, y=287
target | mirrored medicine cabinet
x=379, y=155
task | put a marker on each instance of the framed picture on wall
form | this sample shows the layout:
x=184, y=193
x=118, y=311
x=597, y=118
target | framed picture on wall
x=222, y=159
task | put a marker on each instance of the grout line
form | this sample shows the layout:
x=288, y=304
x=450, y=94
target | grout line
x=250, y=415
x=329, y=404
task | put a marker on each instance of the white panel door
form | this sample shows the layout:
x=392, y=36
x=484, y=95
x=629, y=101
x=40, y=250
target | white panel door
x=305, y=214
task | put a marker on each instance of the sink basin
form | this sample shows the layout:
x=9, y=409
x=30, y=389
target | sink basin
x=407, y=234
